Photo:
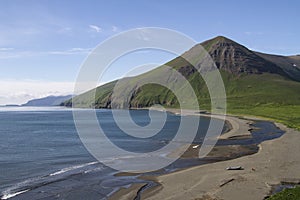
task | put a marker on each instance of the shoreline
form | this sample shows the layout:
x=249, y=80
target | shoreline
x=234, y=124
x=239, y=126
x=274, y=163
x=169, y=187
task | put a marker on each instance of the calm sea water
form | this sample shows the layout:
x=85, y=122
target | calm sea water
x=40, y=151
x=42, y=157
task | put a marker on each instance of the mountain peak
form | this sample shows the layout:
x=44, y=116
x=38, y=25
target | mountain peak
x=221, y=38
x=236, y=58
x=219, y=41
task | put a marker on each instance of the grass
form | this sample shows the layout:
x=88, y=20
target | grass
x=287, y=194
x=286, y=114
x=269, y=96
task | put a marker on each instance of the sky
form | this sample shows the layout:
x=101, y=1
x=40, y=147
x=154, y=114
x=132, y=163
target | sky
x=44, y=43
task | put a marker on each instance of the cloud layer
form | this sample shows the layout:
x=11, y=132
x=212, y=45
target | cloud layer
x=95, y=28
x=19, y=92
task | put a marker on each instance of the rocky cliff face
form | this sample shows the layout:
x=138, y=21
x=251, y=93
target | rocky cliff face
x=236, y=59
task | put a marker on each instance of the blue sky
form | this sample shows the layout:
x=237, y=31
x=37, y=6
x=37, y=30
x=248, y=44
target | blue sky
x=44, y=42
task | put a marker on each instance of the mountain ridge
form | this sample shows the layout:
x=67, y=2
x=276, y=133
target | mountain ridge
x=48, y=101
x=249, y=77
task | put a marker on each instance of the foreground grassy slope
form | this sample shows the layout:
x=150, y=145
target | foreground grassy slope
x=266, y=95
x=287, y=194
x=286, y=114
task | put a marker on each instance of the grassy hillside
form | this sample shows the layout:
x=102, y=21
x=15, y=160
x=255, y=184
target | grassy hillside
x=266, y=95
x=87, y=100
x=254, y=84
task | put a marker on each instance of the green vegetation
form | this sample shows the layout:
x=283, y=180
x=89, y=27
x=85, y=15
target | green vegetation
x=92, y=98
x=287, y=194
x=286, y=114
x=268, y=96
x=256, y=84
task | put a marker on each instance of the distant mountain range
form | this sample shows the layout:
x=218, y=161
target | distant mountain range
x=250, y=78
x=48, y=101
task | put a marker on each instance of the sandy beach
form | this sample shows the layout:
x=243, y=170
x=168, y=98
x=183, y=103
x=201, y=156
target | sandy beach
x=277, y=161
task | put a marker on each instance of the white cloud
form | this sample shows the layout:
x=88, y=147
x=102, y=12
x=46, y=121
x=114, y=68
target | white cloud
x=8, y=53
x=254, y=33
x=72, y=51
x=143, y=35
x=20, y=91
x=95, y=28
x=78, y=49
x=6, y=49
x=64, y=30
x=114, y=29
x=14, y=54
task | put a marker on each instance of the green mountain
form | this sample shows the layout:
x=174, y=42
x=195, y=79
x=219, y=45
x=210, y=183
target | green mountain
x=255, y=83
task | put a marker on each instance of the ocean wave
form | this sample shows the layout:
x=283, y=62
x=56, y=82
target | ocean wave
x=36, y=182
x=10, y=195
x=67, y=169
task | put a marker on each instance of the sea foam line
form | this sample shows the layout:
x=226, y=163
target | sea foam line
x=8, y=192
x=7, y=196
x=72, y=168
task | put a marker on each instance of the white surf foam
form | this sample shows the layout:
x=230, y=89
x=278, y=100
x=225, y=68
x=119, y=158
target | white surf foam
x=10, y=195
x=72, y=168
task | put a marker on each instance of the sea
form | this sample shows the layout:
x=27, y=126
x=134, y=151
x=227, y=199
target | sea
x=42, y=156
